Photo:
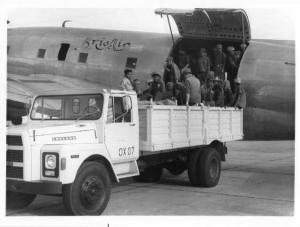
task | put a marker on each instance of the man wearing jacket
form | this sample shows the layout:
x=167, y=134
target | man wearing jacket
x=192, y=84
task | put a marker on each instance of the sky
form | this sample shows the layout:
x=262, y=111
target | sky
x=266, y=23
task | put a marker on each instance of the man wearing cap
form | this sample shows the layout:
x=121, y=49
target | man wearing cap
x=156, y=87
x=146, y=93
x=219, y=62
x=239, y=95
x=203, y=65
x=192, y=84
x=207, y=93
x=137, y=87
x=168, y=93
x=180, y=93
x=172, y=72
x=243, y=47
x=238, y=56
x=183, y=59
x=228, y=97
x=232, y=65
x=126, y=81
x=218, y=90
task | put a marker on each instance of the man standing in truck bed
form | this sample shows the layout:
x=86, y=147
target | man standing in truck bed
x=172, y=72
x=219, y=62
x=239, y=96
x=192, y=84
x=126, y=81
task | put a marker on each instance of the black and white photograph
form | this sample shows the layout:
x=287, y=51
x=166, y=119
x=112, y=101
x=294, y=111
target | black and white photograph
x=157, y=110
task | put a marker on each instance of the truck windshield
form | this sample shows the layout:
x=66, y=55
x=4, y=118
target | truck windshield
x=68, y=107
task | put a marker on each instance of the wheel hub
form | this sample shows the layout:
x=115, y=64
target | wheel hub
x=214, y=168
x=91, y=192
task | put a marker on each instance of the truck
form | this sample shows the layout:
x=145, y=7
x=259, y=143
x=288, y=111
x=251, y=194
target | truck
x=76, y=144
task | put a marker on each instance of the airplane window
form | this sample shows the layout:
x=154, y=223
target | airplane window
x=131, y=63
x=62, y=54
x=82, y=57
x=41, y=53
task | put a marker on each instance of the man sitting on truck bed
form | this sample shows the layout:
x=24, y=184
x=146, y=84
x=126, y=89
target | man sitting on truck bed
x=157, y=86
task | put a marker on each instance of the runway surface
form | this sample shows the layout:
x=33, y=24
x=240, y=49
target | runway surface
x=256, y=179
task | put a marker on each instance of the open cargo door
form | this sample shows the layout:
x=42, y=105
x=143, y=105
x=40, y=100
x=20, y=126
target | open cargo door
x=215, y=24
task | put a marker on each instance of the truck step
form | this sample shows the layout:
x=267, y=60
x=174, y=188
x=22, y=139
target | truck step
x=126, y=169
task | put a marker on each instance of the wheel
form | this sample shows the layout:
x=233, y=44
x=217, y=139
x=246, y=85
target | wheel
x=176, y=168
x=209, y=168
x=18, y=200
x=204, y=168
x=90, y=191
x=149, y=174
x=193, y=166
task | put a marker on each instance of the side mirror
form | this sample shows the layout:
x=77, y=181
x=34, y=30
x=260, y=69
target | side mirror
x=17, y=120
x=126, y=104
x=24, y=119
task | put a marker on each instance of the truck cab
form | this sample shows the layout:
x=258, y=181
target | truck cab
x=64, y=130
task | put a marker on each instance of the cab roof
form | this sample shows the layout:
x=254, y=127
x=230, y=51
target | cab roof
x=22, y=88
x=82, y=91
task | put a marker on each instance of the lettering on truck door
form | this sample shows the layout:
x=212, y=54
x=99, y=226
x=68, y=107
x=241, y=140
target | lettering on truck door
x=121, y=132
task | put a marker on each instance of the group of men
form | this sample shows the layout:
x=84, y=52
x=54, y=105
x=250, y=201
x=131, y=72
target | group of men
x=190, y=81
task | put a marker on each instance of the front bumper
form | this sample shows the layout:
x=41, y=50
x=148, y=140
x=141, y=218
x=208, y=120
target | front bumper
x=44, y=187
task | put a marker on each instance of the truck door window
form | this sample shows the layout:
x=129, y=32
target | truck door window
x=116, y=111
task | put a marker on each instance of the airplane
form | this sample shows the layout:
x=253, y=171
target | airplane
x=72, y=57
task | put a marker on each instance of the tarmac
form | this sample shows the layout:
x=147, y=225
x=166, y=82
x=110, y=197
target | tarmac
x=257, y=179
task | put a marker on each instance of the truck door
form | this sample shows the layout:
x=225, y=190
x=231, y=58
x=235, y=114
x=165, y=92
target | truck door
x=121, y=128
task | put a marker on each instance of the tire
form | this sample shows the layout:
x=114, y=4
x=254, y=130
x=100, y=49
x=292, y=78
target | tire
x=18, y=200
x=90, y=192
x=209, y=168
x=220, y=148
x=150, y=174
x=193, y=166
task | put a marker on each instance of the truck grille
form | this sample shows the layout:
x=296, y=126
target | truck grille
x=14, y=172
x=14, y=140
x=14, y=157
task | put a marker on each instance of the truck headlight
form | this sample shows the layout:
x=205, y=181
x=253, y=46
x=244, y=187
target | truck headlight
x=50, y=161
x=50, y=165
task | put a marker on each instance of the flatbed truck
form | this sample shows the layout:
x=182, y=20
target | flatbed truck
x=77, y=144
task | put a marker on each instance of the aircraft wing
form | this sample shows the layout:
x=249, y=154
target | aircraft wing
x=22, y=88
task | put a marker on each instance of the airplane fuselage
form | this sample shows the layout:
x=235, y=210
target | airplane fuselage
x=100, y=56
